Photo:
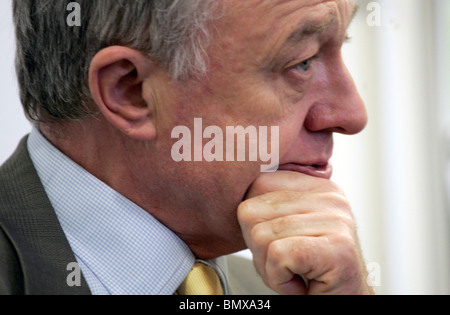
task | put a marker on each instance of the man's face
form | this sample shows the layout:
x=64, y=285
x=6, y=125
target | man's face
x=271, y=63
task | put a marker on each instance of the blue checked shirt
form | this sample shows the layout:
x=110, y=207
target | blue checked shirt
x=120, y=248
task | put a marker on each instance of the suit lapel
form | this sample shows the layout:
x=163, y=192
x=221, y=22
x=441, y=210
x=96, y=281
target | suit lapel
x=31, y=224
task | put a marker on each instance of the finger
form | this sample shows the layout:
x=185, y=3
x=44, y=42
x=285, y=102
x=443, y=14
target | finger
x=295, y=257
x=260, y=236
x=312, y=225
x=284, y=203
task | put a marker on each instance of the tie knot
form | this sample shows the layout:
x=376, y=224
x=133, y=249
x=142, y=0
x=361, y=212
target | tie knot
x=202, y=280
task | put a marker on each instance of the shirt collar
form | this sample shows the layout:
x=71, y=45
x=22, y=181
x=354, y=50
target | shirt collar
x=126, y=248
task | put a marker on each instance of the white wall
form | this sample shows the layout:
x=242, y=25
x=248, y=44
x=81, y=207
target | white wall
x=393, y=172
x=13, y=125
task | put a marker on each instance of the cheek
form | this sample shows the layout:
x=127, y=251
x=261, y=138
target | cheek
x=242, y=98
x=291, y=126
x=289, y=134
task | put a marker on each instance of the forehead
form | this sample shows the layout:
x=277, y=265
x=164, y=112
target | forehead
x=279, y=6
x=258, y=29
x=272, y=14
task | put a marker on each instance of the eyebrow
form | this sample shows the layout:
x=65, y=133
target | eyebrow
x=309, y=29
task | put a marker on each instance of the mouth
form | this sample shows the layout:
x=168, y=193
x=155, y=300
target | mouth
x=320, y=170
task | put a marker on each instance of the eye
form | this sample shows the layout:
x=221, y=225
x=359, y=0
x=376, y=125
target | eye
x=304, y=66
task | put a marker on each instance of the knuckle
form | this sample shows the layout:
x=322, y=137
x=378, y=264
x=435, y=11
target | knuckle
x=258, y=235
x=275, y=251
x=336, y=188
x=344, y=240
x=245, y=212
x=262, y=184
x=346, y=246
x=345, y=222
x=280, y=225
x=339, y=200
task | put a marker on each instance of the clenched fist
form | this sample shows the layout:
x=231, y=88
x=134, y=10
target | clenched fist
x=302, y=234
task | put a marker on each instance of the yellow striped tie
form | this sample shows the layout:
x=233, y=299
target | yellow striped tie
x=202, y=280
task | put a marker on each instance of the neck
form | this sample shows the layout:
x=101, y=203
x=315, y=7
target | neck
x=99, y=148
x=134, y=170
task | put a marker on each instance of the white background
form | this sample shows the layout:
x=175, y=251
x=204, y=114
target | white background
x=394, y=173
x=13, y=125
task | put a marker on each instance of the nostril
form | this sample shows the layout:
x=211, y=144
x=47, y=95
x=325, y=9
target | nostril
x=339, y=130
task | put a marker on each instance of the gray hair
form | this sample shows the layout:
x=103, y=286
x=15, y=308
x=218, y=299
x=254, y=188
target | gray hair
x=53, y=59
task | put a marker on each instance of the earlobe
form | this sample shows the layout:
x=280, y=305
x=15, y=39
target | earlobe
x=116, y=82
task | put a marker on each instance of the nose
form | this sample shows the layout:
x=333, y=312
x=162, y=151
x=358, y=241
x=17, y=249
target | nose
x=337, y=106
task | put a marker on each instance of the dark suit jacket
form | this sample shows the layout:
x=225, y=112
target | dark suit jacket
x=34, y=252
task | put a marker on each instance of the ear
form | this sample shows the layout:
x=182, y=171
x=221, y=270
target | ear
x=116, y=78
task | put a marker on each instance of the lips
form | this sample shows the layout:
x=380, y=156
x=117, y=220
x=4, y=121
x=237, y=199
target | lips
x=321, y=170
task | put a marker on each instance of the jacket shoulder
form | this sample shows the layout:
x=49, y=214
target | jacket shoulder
x=37, y=251
x=11, y=276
